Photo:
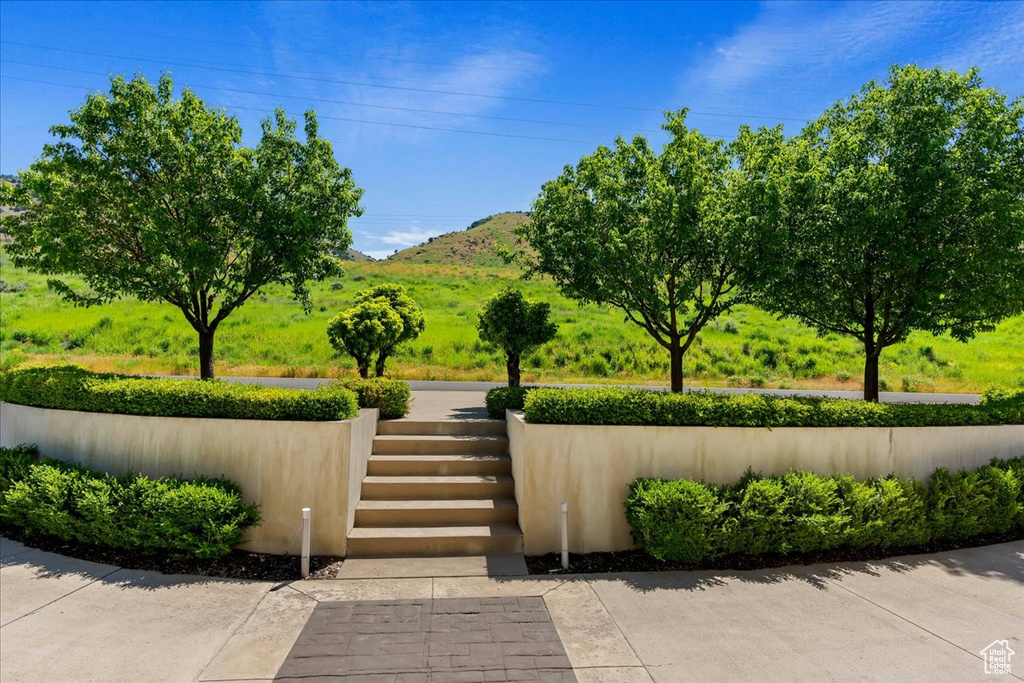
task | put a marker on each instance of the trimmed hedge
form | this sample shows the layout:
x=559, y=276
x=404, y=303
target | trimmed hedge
x=801, y=512
x=615, y=406
x=69, y=387
x=500, y=399
x=202, y=518
x=389, y=396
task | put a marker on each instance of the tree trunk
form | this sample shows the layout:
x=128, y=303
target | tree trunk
x=676, y=367
x=871, y=376
x=364, y=367
x=512, y=365
x=379, y=367
x=206, y=354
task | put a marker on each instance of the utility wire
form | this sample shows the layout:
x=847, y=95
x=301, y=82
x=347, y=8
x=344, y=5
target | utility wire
x=252, y=46
x=592, y=105
x=346, y=119
x=346, y=102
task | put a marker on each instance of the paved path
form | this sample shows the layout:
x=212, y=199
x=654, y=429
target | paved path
x=482, y=388
x=917, y=618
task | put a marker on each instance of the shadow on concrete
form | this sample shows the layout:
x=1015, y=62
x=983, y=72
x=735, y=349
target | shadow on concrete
x=46, y=565
x=1004, y=561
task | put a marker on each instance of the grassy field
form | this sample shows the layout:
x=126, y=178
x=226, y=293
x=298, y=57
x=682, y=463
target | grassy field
x=272, y=336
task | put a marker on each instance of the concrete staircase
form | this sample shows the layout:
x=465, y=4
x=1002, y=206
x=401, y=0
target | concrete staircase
x=437, y=488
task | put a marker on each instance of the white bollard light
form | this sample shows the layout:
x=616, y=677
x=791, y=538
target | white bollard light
x=305, y=542
x=565, y=535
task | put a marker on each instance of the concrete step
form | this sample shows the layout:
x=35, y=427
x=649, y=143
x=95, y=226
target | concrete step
x=437, y=488
x=439, y=445
x=434, y=541
x=406, y=427
x=410, y=513
x=438, y=465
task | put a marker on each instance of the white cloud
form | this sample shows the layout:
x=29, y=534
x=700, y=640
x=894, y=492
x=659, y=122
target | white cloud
x=794, y=59
x=406, y=238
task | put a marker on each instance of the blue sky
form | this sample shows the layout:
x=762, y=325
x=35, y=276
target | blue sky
x=522, y=88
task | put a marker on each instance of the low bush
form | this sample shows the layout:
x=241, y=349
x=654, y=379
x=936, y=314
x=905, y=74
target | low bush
x=801, y=512
x=15, y=464
x=500, y=399
x=389, y=396
x=201, y=518
x=68, y=387
x=616, y=406
x=971, y=503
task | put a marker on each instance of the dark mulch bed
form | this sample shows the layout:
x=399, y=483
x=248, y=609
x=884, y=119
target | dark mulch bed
x=238, y=565
x=260, y=567
x=638, y=561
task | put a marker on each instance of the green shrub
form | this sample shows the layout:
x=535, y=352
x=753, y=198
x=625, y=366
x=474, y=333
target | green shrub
x=801, y=512
x=15, y=463
x=501, y=399
x=890, y=512
x=389, y=396
x=969, y=503
x=1016, y=467
x=68, y=387
x=202, y=518
x=676, y=519
x=616, y=406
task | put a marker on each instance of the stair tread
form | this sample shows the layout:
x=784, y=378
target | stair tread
x=489, y=530
x=469, y=504
x=441, y=437
x=440, y=457
x=466, y=421
x=439, y=479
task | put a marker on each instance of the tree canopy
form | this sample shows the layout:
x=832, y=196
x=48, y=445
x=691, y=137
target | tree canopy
x=656, y=235
x=150, y=196
x=364, y=330
x=899, y=209
x=413, y=321
x=516, y=326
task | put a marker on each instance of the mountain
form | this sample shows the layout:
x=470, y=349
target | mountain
x=354, y=255
x=473, y=246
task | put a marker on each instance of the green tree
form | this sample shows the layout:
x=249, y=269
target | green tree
x=516, y=326
x=655, y=235
x=900, y=209
x=150, y=196
x=364, y=330
x=408, y=310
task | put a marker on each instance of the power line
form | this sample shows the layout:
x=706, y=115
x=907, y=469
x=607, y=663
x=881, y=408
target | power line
x=346, y=119
x=389, y=87
x=346, y=102
x=330, y=80
x=312, y=52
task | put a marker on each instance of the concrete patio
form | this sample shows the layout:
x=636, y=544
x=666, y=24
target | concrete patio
x=912, y=618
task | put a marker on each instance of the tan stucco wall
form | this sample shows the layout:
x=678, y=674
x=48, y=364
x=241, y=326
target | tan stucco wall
x=591, y=467
x=282, y=466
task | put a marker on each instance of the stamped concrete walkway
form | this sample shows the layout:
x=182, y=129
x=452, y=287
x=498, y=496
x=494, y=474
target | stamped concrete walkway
x=917, y=618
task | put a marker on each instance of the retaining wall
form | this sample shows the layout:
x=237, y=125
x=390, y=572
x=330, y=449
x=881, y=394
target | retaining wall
x=281, y=465
x=590, y=467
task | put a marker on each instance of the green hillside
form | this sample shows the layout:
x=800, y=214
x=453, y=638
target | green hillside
x=356, y=255
x=271, y=335
x=473, y=246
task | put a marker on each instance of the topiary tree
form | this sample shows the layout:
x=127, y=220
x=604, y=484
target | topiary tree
x=899, y=209
x=408, y=310
x=154, y=197
x=516, y=326
x=364, y=330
